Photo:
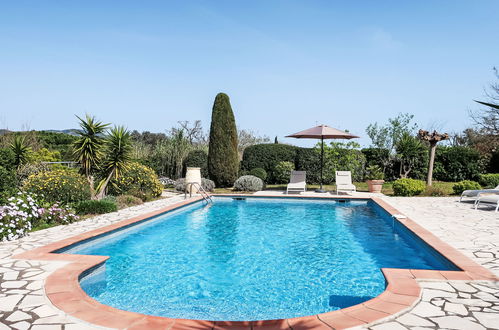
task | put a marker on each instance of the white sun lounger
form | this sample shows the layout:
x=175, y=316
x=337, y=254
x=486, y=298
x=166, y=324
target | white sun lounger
x=488, y=199
x=297, y=182
x=344, y=182
x=475, y=194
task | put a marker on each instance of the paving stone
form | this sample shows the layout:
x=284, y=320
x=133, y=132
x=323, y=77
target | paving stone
x=9, y=302
x=456, y=322
x=481, y=287
x=10, y=276
x=413, y=320
x=44, y=311
x=18, y=316
x=21, y=325
x=437, y=285
x=4, y=327
x=35, y=285
x=389, y=326
x=429, y=294
x=31, y=300
x=426, y=309
x=13, y=284
x=46, y=327
x=78, y=326
x=455, y=308
x=489, y=320
x=486, y=296
x=463, y=287
x=54, y=319
x=470, y=302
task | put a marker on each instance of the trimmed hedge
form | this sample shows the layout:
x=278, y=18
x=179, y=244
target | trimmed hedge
x=259, y=173
x=282, y=171
x=95, y=207
x=408, y=187
x=465, y=185
x=489, y=180
x=197, y=158
x=309, y=159
x=457, y=164
x=267, y=156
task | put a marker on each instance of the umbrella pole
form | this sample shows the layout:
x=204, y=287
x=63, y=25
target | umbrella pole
x=320, y=190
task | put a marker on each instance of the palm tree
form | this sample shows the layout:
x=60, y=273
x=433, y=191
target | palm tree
x=409, y=150
x=118, y=157
x=21, y=150
x=88, y=149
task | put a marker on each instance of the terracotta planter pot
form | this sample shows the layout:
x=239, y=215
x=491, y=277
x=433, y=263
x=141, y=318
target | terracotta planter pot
x=375, y=185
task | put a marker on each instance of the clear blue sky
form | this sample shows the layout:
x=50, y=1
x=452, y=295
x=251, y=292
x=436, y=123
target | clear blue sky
x=286, y=65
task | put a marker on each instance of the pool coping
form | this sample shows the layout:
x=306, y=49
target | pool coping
x=402, y=291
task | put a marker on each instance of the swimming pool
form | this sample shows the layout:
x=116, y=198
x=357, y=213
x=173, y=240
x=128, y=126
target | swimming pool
x=252, y=259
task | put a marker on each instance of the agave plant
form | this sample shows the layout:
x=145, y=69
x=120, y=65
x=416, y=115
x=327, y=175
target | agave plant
x=118, y=156
x=21, y=150
x=88, y=149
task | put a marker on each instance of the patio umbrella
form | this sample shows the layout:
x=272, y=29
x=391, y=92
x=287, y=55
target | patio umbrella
x=322, y=132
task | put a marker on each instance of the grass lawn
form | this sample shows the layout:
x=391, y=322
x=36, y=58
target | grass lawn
x=444, y=188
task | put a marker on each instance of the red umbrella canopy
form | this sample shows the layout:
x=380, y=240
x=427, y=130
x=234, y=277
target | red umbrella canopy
x=324, y=132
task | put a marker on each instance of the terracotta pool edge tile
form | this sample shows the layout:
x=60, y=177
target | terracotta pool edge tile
x=402, y=287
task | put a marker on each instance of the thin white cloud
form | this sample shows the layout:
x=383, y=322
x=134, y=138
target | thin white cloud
x=382, y=39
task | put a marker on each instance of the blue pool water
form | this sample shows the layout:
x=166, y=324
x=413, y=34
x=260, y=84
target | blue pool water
x=253, y=259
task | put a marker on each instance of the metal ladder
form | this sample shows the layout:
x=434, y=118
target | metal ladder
x=206, y=197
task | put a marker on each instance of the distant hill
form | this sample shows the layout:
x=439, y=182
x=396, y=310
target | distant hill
x=71, y=131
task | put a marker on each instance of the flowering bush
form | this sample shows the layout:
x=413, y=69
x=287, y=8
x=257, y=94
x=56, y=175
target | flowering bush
x=166, y=181
x=57, y=214
x=139, y=180
x=206, y=184
x=18, y=216
x=58, y=186
x=248, y=183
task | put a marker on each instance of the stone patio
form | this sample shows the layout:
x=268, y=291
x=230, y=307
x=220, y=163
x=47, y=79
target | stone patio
x=443, y=305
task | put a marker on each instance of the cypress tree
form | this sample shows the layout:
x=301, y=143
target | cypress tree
x=223, y=159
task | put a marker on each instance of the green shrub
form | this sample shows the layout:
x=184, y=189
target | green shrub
x=248, y=183
x=124, y=201
x=381, y=157
x=465, y=185
x=7, y=159
x=95, y=207
x=61, y=185
x=343, y=156
x=7, y=184
x=282, y=172
x=408, y=187
x=435, y=191
x=259, y=173
x=374, y=172
x=309, y=160
x=267, y=156
x=139, y=180
x=197, y=158
x=223, y=158
x=489, y=180
x=206, y=184
x=457, y=164
x=493, y=166
x=26, y=170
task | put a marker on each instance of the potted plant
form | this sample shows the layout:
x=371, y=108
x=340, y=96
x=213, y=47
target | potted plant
x=375, y=178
